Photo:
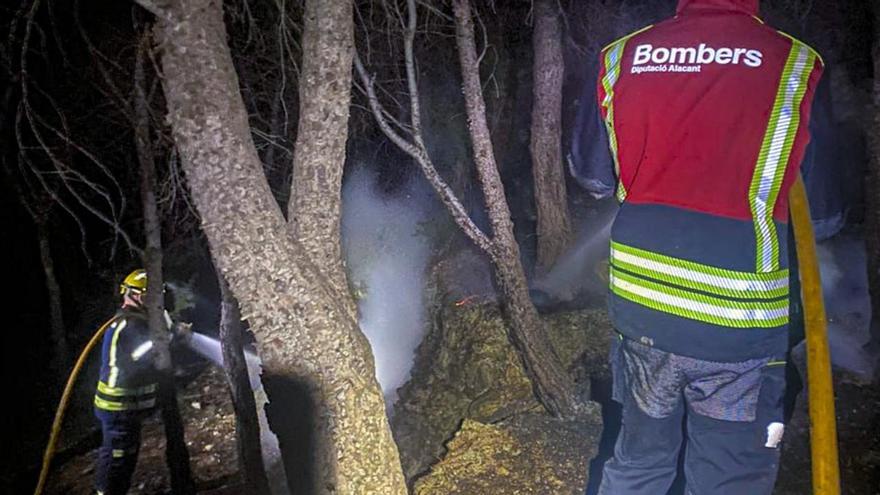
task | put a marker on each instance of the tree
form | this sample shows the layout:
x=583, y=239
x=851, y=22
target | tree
x=247, y=427
x=553, y=386
x=176, y=454
x=554, y=225
x=315, y=206
x=303, y=327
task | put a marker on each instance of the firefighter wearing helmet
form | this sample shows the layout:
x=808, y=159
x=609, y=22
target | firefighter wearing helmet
x=127, y=387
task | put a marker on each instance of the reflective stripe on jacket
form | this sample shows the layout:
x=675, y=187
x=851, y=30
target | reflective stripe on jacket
x=127, y=380
x=707, y=121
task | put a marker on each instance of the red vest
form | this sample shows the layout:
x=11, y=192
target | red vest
x=707, y=116
x=692, y=104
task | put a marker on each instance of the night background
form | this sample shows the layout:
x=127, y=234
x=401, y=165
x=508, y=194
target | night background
x=74, y=225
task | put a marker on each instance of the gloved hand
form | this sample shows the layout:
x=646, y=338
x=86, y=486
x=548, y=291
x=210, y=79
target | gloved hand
x=181, y=332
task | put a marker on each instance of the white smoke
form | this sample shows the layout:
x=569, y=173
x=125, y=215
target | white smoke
x=842, y=264
x=581, y=268
x=386, y=257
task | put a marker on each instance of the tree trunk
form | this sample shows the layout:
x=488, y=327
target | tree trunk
x=176, y=455
x=303, y=331
x=554, y=226
x=58, y=334
x=872, y=192
x=554, y=387
x=247, y=426
x=39, y=206
x=315, y=206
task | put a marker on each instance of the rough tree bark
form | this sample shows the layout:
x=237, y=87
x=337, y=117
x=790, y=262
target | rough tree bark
x=554, y=226
x=247, y=426
x=315, y=206
x=552, y=382
x=176, y=454
x=302, y=329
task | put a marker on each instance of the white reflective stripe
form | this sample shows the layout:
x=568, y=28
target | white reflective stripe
x=168, y=321
x=714, y=280
x=763, y=210
x=141, y=350
x=140, y=275
x=114, y=370
x=699, y=306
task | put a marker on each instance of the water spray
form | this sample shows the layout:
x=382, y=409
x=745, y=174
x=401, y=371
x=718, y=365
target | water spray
x=211, y=349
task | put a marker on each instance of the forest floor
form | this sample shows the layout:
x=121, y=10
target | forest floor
x=210, y=436
x=210, y=433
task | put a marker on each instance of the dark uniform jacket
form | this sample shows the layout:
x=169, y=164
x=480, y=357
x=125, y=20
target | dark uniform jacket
x=127, y=379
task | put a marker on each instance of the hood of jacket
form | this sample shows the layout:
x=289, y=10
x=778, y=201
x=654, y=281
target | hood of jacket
x=749, y=7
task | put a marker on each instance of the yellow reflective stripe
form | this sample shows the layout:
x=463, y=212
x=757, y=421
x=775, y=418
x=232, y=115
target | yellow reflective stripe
x=118, y=453
x=612, y=59
x=115, y=406
x=808, y=47
x=109, y=406
x=628, y=36
x=123, y=392
x=114, y=370
x=696, y=276
x=782, y=129
x=679, y=302
x=776, y=363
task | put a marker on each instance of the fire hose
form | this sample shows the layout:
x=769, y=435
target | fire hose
x=62, y=406
x=823, y=428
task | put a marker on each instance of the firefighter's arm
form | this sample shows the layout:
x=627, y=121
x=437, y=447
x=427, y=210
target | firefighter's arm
x=589, y=160
x=181, y=332
x=136, y=347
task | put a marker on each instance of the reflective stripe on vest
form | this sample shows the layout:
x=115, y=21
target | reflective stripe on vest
x=699, y=292
x=782, y=129
x=116, y=406
x=611, y=60
x=114, y=369
x=111, y=398
x=125, y=392
x=698, y=277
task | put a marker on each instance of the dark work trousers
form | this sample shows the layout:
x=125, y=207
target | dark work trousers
x=733, y=415
x=119, y=449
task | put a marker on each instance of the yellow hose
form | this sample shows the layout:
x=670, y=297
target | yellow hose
x=823, y=429
x=62, y=406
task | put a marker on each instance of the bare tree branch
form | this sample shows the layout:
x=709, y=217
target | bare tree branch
x=418, y=152
x=157, y=8
x=67, y=175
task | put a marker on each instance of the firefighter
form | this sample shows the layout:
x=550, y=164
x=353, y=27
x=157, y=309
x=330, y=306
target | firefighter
x=127, y=386
x=698, y=125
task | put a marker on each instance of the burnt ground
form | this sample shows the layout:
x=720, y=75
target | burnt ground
x=210, y=424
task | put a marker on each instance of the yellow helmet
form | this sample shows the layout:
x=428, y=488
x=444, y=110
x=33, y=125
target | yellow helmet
x=136, y=282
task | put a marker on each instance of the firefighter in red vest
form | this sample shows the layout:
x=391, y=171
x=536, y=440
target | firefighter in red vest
x=706, y=118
